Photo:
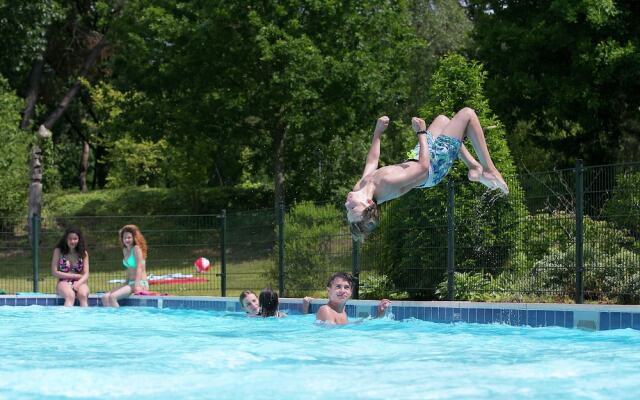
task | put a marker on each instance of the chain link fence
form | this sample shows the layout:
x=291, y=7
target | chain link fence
x=566, y=235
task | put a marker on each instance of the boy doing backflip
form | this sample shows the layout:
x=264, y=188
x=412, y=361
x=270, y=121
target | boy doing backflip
x=437, y=149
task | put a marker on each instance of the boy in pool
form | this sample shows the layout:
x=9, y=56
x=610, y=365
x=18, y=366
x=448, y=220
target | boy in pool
x=339, y=290
x=437, y=149
x=250, y=303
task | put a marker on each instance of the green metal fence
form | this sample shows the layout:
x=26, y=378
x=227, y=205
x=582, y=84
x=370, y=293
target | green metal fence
x=564, y=235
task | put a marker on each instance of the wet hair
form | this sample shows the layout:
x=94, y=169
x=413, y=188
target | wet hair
x=244, y=294
x=370, y=221
x=268, y=303
x=81, y=247
x=138, y=239
x=342, y=275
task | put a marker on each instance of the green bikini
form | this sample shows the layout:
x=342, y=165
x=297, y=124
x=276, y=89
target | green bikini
x=130, y=263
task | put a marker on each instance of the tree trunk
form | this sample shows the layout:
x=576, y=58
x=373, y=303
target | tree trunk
x=84, y=166
x=99, y=168
x=35, y=189
x=32, y=93
x=279, y=166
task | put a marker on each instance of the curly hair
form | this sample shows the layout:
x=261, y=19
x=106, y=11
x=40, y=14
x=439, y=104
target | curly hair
x=138, y=239
x=370, y=221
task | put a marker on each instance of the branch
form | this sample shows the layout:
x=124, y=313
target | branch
x=68, y=98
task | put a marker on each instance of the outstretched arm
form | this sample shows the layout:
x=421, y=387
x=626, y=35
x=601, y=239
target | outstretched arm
x=374, y=151
x=382, y=308
x=401, y=178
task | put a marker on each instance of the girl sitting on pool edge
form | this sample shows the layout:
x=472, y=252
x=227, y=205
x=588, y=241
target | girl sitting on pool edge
x=134, y=254
x=339, y=290
x=70, y=264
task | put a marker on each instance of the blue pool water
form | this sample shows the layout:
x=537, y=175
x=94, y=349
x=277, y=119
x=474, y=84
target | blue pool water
x=145, y=353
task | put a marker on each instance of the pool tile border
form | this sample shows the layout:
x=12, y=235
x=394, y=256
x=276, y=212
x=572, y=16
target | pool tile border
x=582, y=316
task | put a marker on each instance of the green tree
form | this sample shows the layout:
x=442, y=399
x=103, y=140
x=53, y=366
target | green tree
x=442, y=26
x=14, y=155
x=295, y=82
x=564, y=76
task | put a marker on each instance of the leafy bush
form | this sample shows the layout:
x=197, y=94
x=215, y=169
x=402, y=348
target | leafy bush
x=374, y=286
x=624, y=206
x=314, y=248
x=609, y=274
x=156, y=201
x=468, y=287
x=548, y=263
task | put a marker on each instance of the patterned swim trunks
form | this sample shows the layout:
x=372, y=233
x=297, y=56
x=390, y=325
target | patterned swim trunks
x=442, y=153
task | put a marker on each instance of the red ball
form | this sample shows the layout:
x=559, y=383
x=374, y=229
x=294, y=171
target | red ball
x=202, y=265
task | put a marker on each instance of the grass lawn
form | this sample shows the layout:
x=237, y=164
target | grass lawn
x=240, y=276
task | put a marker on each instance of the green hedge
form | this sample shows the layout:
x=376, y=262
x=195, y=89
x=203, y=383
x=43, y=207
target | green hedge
x=155, y=201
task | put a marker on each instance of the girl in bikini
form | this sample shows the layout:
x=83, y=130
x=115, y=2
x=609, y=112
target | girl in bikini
x=134, y=254
x=70, y=264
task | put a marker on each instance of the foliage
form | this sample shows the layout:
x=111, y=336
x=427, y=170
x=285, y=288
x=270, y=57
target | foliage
x=154, y=201
x=310, y=241
x=291, y=81
x=24, y=26
x=468, y=287
x=545, y=231
x=14, y=157
x=608, y=273
x=136, y=163
x=624, y=206
x=442, y=26
x=374, y=286
x=547, y=266
x=568, y=71
x=414, y=256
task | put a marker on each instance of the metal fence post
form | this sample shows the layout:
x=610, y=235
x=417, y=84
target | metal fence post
x=355, y=267
x=451, y=226
x=281, y=249
x=579, y=174
x=223, y=251
x=35, y=248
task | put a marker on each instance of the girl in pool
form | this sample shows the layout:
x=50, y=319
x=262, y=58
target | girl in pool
x=269, y=303
x=251, y=304
x=134, y=253
x=70, y=264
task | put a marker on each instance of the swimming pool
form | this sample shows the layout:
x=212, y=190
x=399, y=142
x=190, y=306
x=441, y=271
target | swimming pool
x=144, y=353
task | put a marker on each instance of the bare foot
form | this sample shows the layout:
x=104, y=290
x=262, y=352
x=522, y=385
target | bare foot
x=493, y=180
x=382, y=124
x=475, y=173
x=418, y=124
